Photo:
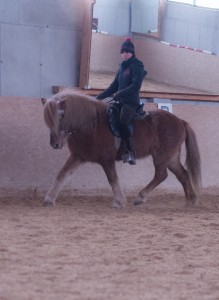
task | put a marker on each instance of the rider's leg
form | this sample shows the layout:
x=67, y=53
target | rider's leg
x=129, y=152
x=126, y=117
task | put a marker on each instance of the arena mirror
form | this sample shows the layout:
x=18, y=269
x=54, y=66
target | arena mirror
x=106, y=24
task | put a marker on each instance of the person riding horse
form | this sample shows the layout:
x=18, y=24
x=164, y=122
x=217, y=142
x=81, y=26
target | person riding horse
x=125, y=90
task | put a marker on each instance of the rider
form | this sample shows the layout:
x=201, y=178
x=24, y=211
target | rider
x=125, y=90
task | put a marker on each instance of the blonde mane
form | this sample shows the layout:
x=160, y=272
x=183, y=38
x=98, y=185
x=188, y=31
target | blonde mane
x=50, y=116
x=80, y=111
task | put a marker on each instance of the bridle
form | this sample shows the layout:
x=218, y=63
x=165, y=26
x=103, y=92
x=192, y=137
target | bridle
x=64, y=131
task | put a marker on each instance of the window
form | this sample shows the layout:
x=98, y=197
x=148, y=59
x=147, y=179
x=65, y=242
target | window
x=183, y=1
x=202, y=3
x=207, y=3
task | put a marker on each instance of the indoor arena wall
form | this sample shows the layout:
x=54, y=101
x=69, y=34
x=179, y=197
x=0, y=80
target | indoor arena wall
x=29, y=162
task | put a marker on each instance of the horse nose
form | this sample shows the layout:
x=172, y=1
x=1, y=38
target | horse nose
x=55, y=146
x=55, y=142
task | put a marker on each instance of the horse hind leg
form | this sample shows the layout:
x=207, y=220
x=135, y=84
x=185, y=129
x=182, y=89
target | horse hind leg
x=175, y=166
x=119, y=199
x=70, y=165
x=160, y=176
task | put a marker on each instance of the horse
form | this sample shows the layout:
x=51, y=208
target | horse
x=81, y=121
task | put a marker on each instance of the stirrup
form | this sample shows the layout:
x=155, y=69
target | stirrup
x=128, y=157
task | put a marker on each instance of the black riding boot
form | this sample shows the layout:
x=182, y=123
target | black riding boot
x=129, y=152
x=127, y=114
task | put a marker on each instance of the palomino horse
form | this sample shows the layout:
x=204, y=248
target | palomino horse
x=83, y=122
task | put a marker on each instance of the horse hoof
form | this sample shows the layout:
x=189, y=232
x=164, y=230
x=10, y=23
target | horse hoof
x=198, y=202
x=191, y=202
x=138, y=202
x=47, y=204
x=117, y=205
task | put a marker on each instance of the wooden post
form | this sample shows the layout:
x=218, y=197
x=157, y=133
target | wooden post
x=86, y=44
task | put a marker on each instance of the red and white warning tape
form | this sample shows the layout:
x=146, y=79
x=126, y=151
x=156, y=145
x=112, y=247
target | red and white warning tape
x=189, y=48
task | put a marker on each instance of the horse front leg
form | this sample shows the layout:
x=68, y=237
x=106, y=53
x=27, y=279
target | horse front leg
x=119, y=199
x=68, y=168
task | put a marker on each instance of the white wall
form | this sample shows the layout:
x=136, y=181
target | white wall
x=28, y=162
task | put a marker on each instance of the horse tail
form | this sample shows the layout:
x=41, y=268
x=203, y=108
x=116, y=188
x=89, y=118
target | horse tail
x=193, y=159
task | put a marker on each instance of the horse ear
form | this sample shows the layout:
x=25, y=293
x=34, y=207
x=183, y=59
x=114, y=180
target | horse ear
x=43, y=100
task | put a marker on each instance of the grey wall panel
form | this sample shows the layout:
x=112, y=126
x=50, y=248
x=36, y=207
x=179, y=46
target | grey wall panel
x=180, y=33
x=60, y=59
x=168, y=30
x=170, y=10
x=0, y=57
x=206, y=37
x=215, y=41
x=113, y=16
x=202, y=16
x=193, y=36
x=9, y=11
x=195, y=23
x=54, y=13
x=144, y=16
x=108, y=21
x=138, y=25
x=113, y=3
x=123, y=22
x=120, y=17
x=114, y=23
x=20, y=68
x=40, y=45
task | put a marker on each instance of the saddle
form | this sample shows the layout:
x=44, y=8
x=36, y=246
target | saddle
x=113, y=117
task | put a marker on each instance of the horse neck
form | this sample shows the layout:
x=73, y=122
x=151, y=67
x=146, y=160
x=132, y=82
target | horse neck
x=84, y=115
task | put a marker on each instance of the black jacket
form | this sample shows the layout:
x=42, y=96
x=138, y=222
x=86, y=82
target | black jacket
x=127, y=83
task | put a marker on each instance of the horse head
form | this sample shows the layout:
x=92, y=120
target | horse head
x=53, y=116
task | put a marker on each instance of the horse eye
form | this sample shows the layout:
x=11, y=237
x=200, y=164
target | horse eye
x=61, y=113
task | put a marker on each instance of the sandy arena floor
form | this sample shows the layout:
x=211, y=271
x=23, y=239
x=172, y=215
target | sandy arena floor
x=82, y=249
